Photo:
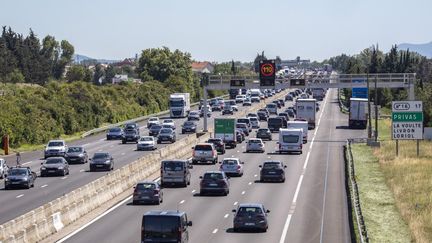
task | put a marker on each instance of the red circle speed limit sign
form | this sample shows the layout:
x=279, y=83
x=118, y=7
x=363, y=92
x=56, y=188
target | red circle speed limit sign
x=267, y=69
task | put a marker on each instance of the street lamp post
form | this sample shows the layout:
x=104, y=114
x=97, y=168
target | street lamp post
x=205, y=77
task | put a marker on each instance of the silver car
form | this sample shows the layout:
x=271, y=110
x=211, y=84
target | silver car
x=254, y=122
x=232, y=166
x=256, y=145
x=204, y=152
x=146, y=143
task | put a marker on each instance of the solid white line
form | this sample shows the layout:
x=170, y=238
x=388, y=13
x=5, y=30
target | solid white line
x=285, y=229
x=85, y=145
x=182, y=201
x=215, y=231
x=19, y=195
x=226, y=216
x=297, y=189
x=44, y=186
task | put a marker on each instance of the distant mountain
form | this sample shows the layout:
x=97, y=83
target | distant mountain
x=422, y=49
x=77, y=58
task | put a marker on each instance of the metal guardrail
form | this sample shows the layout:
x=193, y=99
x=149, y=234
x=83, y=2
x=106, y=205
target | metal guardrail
x=355, y=198
x=138, y=119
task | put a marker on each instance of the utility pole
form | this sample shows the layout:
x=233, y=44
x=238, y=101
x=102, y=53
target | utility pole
x=369, y=109
x=376, y=110
x=205, y=79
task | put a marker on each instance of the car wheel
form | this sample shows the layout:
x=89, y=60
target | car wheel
x=6, y=188
x=188, y=182
x=235, y=229
x=28, y=185
x=123, y=142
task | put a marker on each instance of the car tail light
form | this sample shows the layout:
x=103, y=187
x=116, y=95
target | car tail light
x=194, y=153
x=280, y=146
x=301, y=146
x=213, y=153
x=179, y=233
x=238, y=167
x=156, y=191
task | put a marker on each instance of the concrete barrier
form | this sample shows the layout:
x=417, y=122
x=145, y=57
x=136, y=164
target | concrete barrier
x=52, y=217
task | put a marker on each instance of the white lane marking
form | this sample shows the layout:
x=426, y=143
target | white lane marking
x=269, y=157
x=226, y=216
x=19, y=195
x=100, y=150
x=26, y=163
x=297, y=189
x=193, y=191
x=243, y=192
x=306, y=161
x=123, y=153
x=63, y=178
x=255, y=175
x=235, y=203
x=292, y=210
x=103, y=139
x=215, y=231
x=86, y=144
x=98, y=217
x=82, y=170
x=182, y=201
x=250, y=183
x=112, y=146
x=238, y=151
x=44, y=186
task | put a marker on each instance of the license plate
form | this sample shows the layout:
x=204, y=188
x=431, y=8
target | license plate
x=249, y=224
x=51, y=171
x=14, y=182
x=272, y=172
x=145, y=197
x=212, y=184
x=99, y=165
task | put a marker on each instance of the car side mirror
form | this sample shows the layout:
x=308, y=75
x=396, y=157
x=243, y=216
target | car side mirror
x=277, y=142
x=220, y=162
x=41, y=163
x=189, y=223
x=200, y=177
x=193, y=147
x=267, y=211
x=260, y=166
x=285, y=166
x=190, y=166
x=90, y=159
x=242, y=162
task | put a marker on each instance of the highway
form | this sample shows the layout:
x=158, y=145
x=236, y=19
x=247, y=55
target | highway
x=311, y=206
x=19, y=201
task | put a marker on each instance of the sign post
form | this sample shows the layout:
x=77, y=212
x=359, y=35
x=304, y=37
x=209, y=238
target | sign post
x=407, y=121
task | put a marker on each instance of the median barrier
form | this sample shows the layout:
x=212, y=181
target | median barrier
x=52, y=217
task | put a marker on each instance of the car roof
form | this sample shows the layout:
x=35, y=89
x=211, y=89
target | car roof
x=147, y=182
x=164, y=213
x=231, y=159
x=52, y=158
x=272, y=161
x=173, y=160
x=259, y=205
x=213, y=172
x=56, y=141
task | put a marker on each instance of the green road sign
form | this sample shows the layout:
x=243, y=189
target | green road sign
x=407, y=116
x=224, y=125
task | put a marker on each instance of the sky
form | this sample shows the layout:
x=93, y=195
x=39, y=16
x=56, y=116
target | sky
x=224, y=30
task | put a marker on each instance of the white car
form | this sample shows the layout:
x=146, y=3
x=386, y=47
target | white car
x=146, y=143
x=232, y=166
x=255, y=145
x=169, y=122
x=254, y=122
x=153, y=121
x=3, y=168
x=55, y=148
x=240, y=98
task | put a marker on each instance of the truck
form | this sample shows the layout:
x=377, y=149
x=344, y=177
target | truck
x=357, y=113
x=306, y=110
x=318, y=93
x=179, y=104
x=225, y=129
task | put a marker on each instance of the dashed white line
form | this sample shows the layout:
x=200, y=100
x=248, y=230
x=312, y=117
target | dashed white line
x=44, y=186
x=306, y=161
x=250, y=183
x=193, y=191
x=82, y=170
x=182, y=201
x=226, y=216
x=285, y=229
x=85, y=145
x=215, y=231
x=255, y=175
x=123, y=153
x=26, y=163
x=112, y=146
x=65, y=177
x=19, y=195
x=235, y=203
x=297, y=189
x=103, y=139
x=243, y=192
x=100, y=150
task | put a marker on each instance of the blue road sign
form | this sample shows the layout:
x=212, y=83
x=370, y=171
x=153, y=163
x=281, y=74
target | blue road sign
x=359, y=92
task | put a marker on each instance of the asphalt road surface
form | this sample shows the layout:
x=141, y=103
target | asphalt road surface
x=311, y=205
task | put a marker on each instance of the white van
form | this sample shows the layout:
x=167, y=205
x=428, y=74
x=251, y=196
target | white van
x=300, y=124
x=290, y=140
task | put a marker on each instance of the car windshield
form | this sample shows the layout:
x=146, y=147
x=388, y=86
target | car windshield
x=253, y=119
x=147, y=139
x=230, y=162
x=275, y=121
x=155, y=127
x=54, y=161
x=271, y=105
x=153, y=119
x=130, y=126
x=243, y=120
x=176, y=103
x=189, y=123
x=254, y=141
x=193, y=113
x=161, y=227
x=290, y=138
x=213, y=176
x=262, y=130
x=165, y=130
x=116, y=129
x=75, y=150
x=173, y=166
x=241, y=125
x=100, y=156
x=16, y=172
x=168, y=121
x=271, y=165
x=245, y=211
x=166, y=126
x=203, y=147
x=214, y=140
x=55, y=144
x=144, y=186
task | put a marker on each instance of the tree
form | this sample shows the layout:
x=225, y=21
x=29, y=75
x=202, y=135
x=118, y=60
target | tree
x=109, y=74
x=78, y=73
x=257, y=61
x=233, y=68
x=67, y=51
x=98, y=74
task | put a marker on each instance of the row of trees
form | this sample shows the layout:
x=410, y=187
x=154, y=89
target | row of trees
x=372, y=60
x=28, y=60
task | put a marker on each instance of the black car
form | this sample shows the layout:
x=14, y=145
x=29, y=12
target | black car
x=227, y=110
x=281, y=102
x=165, y=226
x=290, y=112
x=166, y=134
x=189, y=126
x=218, y=143
x=265, y=110
x=154, y=130
x=240, y=136
x=289, y=97
x=272, y=171
x=275, y=123
x=262, y=116
x=214, y=182
x=20, y=177
x=76, y=154
x=54, y=166
x=114, y=133
x=101, y=161
x=277, y=103
x=264, y=133
x=131, y=126
x=147, y=192
x=250, y=216
x=284, y=114
x=131, y=135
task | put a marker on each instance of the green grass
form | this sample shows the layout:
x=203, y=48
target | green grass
x=382, y=218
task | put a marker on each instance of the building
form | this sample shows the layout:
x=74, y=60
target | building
x=202, y=67
x=294, y=63
x=120, y=78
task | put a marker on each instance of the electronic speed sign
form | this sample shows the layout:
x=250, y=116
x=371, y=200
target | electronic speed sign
x=267, y=72
x=237, y=82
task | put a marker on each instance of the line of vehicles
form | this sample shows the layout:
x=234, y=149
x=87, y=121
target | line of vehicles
x=229, y=132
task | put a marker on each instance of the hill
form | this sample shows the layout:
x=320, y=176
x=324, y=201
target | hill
x=77, y=58
x=422, y=49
